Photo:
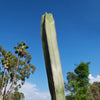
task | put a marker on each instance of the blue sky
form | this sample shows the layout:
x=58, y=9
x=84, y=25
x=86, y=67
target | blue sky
x=78, y=33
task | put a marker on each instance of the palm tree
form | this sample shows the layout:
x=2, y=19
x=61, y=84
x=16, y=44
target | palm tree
x=21, y=51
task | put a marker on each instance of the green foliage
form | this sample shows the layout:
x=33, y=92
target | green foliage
x=82, y=72
x=0, y=81
x=78, y=82
x=94, y=91
x=21, y=48
x=16, y=96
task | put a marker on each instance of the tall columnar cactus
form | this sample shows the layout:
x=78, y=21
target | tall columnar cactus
x=52, y=58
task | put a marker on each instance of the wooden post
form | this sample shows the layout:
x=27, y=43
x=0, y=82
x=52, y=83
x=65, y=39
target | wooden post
x=52, y=58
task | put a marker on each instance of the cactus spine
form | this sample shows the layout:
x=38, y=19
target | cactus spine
x=52, y=58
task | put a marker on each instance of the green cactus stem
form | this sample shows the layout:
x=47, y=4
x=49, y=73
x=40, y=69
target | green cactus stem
x=52, y=58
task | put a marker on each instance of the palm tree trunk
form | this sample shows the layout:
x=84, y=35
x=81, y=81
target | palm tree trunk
x=2, y=82
x=11, y=87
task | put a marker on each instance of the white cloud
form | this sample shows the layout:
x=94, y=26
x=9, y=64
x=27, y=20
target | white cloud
x=94, y=79
x=32, y=93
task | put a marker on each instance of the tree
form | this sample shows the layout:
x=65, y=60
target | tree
x=78, y=85
x=94, y=91
x=72, y=86
x=14, y=69
x=20, y=50
x=16, y=96
x=82, y=72
x=78, y=82
x=5, y=61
